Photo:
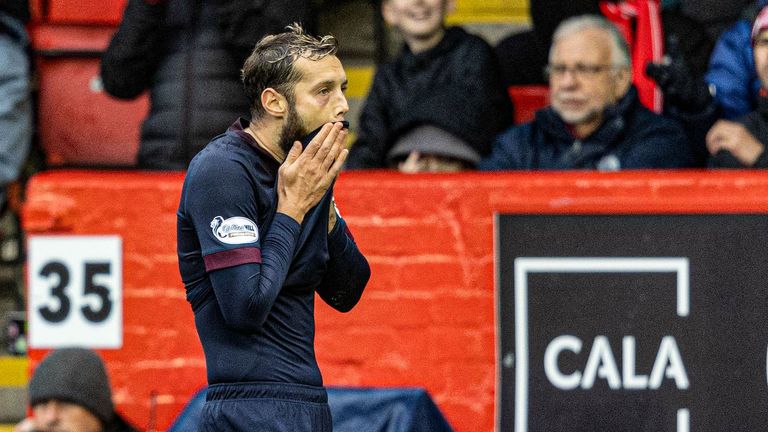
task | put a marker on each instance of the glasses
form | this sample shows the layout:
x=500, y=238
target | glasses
x=580, y=70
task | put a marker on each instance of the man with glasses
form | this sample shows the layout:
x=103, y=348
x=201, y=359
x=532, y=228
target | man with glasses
x=595, y=120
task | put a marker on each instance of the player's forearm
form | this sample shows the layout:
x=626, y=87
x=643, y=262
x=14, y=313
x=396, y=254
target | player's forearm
x=247, y=292
x=347, y=273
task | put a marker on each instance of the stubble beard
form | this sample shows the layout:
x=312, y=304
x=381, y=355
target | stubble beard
x=293, y=129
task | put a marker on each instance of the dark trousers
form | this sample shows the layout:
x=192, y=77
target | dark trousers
x=265, y=407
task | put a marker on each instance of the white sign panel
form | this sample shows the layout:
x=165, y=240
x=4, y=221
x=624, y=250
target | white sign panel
x=75, y=286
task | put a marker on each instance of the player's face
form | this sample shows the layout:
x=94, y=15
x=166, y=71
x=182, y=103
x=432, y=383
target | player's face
x=319, y=95
x=58, y=416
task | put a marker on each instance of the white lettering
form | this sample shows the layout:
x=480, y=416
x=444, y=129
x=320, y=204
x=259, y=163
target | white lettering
x=556, y=377
x=631, y=381
x=669, y=362
x=602, y=363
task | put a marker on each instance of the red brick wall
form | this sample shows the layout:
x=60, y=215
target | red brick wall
x=427, y=317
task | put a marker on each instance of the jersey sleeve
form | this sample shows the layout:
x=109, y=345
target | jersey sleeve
x=222, y=206
x=348, y=270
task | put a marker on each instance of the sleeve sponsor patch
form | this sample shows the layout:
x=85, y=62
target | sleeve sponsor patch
x=234, y=230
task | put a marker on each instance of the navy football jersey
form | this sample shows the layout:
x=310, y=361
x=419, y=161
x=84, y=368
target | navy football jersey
x=251, y=273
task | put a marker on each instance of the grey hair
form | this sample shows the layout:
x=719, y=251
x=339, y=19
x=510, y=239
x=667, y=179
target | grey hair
x=620, y=49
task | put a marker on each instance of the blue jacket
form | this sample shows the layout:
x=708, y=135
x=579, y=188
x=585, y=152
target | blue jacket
x=732, y=68
x=630, y=137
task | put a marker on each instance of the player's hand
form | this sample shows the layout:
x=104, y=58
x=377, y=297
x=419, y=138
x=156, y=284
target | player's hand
x=306, y=175
x=736, y=139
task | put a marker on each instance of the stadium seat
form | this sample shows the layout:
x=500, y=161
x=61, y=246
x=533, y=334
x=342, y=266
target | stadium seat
x=82, y=12
x=528, y=100
x=79, y=125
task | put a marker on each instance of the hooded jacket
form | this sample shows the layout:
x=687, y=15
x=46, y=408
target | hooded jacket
x=630, y=137
x=454, y=86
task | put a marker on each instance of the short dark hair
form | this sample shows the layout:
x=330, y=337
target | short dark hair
x=271, y=64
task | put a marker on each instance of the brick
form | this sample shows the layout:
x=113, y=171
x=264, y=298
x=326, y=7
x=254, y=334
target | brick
x=434, y=275
x=463, y=308
x=385, y=273
x=455, y=344
x=387, y=238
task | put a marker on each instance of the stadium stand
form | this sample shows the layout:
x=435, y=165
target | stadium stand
x=78, y=124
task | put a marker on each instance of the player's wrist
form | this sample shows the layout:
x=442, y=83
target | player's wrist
x=292, y=212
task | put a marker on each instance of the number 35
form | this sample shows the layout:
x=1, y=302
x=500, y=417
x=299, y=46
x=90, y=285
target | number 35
x=90, y=288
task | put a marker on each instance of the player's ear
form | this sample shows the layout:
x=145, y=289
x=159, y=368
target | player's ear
x=274, y=103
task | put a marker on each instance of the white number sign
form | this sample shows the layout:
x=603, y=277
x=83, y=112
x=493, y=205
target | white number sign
x=75, y=291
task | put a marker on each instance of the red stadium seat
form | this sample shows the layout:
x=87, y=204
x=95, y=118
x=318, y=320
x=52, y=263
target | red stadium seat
x=79, y=124
x=87, y=12
x=528, y=100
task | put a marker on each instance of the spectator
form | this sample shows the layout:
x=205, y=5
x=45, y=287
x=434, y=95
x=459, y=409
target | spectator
x=188, y=54
x=15, y=92
x=436, y=106
x=595, y=120
x=69, y=391
x=741, y=143
x=731, y=71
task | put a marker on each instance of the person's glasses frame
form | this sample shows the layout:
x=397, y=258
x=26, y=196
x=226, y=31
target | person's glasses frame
x=579, y=70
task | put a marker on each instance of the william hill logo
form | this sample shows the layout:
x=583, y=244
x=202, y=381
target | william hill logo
x=234, y=230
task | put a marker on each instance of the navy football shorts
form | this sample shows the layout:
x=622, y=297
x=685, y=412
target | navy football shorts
x=265, y=407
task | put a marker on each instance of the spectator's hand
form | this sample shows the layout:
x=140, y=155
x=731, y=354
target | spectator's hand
x=416, y=163
x=681, y=89
x=736, y=139
x=306, y=175
x=411, y=164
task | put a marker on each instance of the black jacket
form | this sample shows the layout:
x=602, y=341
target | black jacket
x=188, y=53
x=455, y=86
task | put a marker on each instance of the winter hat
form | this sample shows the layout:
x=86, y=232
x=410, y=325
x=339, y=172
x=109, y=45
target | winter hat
x=761, y=23
x=431, y=140
x=75, y=375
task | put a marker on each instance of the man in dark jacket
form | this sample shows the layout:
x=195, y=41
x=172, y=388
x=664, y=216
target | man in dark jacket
x=70, y=391
x=741, y=143
x=596, y=120
x=439, y=102
x=188, y=54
